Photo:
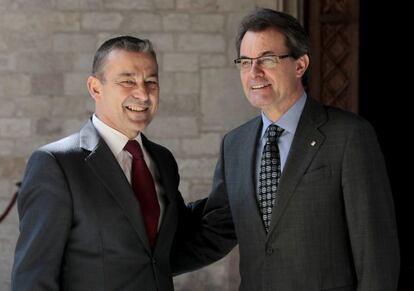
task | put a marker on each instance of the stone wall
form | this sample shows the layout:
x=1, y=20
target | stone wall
x=46, y=49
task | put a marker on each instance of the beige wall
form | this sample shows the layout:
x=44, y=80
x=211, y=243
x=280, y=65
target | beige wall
x=46, y=49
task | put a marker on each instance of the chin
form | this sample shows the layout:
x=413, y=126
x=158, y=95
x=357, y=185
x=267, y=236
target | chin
x=140, y=125
x=260, y=103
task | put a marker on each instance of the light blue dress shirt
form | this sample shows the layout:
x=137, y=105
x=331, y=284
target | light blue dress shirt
x=289, y=122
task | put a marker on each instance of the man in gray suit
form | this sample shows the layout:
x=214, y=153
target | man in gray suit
x=305, y=184
x=82, y=226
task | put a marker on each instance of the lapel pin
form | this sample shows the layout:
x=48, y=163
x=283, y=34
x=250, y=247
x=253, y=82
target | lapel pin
x=313, y=143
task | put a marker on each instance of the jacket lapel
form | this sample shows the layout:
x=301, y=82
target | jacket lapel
x=156, y=153
x=168, y=223
x=306, y=143
x=247, y=180
x=104, y=165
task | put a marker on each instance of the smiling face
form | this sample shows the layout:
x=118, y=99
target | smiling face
x=273, y=90
x=126, y=96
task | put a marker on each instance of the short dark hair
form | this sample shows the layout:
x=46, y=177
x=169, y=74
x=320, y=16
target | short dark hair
x=127, y=43
x=296, y=38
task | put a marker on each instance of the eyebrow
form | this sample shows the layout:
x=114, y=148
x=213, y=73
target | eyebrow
x=265, y=53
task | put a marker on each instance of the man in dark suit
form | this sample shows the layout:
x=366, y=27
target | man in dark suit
x=305, y=184
x=82, y=225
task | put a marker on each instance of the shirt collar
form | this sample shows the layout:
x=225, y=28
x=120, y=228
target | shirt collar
x=289, y=120
x=115, y=140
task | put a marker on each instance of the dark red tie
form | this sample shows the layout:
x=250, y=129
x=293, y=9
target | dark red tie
x=144, y=188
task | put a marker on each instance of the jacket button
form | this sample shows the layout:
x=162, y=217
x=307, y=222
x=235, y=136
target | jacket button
x=154, y=261
x=269, y=250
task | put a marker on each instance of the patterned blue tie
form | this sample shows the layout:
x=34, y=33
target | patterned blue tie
x=269, y=174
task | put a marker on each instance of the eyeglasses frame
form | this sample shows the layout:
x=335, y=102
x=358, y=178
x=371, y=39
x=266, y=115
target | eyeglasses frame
x=237, y=61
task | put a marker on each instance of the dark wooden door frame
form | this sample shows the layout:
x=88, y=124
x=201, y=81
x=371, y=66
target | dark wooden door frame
x=333, y=27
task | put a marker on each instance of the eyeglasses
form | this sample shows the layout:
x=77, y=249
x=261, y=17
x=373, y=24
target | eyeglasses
x=268, y=61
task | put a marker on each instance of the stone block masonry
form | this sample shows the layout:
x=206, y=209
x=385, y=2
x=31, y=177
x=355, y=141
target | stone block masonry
x=46, y=50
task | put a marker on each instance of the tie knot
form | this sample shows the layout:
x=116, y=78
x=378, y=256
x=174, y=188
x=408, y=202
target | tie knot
x=133, y=147
x=273, y=132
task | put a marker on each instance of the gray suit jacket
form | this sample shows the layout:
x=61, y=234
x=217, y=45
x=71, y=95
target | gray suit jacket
x=333, y=227
x=81, y=225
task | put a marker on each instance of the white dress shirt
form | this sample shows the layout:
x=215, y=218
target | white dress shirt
x=116, y=142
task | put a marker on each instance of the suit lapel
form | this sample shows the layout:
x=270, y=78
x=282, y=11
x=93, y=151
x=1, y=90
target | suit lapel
x=104, y=165
x=247, y=180
x=164, y=171
x=167, y=227
x=306, y=143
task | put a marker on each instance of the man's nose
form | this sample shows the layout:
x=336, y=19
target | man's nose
x=256, y=69
x=140, y=92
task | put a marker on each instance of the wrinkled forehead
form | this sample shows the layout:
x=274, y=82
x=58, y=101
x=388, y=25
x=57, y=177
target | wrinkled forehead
x=130, y=62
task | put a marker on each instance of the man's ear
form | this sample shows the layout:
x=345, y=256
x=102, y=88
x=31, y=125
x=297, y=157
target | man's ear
x=301, y=65
x=94, y=87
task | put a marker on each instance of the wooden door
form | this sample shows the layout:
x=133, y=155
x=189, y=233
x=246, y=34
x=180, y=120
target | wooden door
x=333, y=28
